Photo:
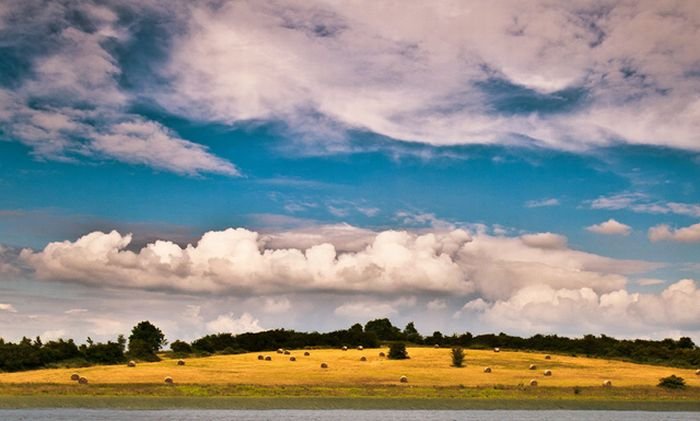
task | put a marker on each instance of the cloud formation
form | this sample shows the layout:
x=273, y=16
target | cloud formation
x=642, y=203
x=610, y=227
x=227, y=323
x=663, y=232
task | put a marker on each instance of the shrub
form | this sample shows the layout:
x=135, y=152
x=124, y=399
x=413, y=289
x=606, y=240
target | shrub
x=672, y=382
x=397, y=351
x=457, y=357
x=180, y=347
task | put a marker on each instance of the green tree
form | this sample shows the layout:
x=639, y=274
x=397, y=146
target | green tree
x=180, y=347
x=145, y=340
x=397, y=351
x=457, y=357
x=672, y=382
x=383, y=329
x=411, y=333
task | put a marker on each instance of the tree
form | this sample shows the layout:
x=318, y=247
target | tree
x=397, y=351
x=672, y=382
x=411, y=333
x=383, y=329
x=457, y=357
x=180, y=347
x=145, y=340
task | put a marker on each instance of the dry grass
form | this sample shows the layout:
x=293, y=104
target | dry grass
x=427, y=367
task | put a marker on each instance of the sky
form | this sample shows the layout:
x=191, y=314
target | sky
x=234, y=166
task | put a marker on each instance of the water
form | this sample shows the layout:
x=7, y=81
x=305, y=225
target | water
x=322, y=415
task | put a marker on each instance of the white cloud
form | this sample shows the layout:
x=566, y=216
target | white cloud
x=279, y=305
x=543, y=309
x=689, y=234
x=7, y=307
x=76, y=311
x=645, y=282
x=362, y=310
x=542, y=203
x=641, y=203
x=52, y=335
x=610, y=227
x=227, y=323
x=436, y=304
x=421, y=78
x=240, y=261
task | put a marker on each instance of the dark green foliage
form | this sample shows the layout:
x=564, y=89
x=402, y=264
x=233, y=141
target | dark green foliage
x=672, y=382
x=108, y=353
x=397, y=351
x=457, y=356
x=410, y=333
x=180, y=347
x=145, y=340
x=384, y=330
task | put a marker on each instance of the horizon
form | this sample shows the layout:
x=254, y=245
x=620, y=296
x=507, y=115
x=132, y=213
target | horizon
x=244, y=166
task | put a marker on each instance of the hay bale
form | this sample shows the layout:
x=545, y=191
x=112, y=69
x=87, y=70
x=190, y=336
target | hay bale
x=437, y=346
x=363, y=358
x=75, y=377
x=180, y=362
x=533, y=367
x=280, y=351
x=547, y=357
x=168, y=380
x=324, y=365
x=487, y=370
x=345, y=348
x=268, y=358
x=261, y=357
x=306, y=354
x=403, y=379
x=497, y=349
x=286, y=352
x=548, y=373
x=360, y=348
x=697, y=372
x=292, y=358
x=381, y=354
x=607, y=383
x=533, y=382
x=83, y=380
x=131, y=364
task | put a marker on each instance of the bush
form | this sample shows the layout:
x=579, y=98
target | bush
x=457, y=357
x=672, y=382
x=397, y=351
x=180, y=347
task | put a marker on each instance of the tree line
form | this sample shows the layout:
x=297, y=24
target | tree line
x=146, y=340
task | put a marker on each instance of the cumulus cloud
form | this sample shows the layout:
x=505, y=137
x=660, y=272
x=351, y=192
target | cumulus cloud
x=436, y=304
x=433, y=73
x=663, y=232
x=453, y=262
x=227, y=323
x=610, y=227
x=541, y=308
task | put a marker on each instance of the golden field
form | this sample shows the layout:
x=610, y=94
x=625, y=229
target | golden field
x=426, y=367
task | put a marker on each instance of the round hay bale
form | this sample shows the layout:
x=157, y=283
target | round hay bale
x=131, y=364
x=307, y=353
x=381, y=354
x=287, y=352
x=292, y=358
x=168, y=380
x=180, y=362
x=547, y=357
x=261, y=357
x=83, y=380
x=533, y=367
x=487, y=370
x=280, y=351
x=697, y=372
x=548, y=372
x=497, y=349
x=345, y=348
x=403, y=379
x=75, y=377
x=268, y=358
x=607, y=383
x=437, y=345
x=360, y=348
x=533, y=382
x=363, y=358
x=324, y=365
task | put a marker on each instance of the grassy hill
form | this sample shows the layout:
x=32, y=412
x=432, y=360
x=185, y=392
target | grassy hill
x=429, y=374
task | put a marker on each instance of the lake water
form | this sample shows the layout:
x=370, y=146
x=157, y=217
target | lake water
x=322, y=415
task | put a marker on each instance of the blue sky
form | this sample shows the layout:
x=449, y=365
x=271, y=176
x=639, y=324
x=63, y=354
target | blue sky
x=566, y=172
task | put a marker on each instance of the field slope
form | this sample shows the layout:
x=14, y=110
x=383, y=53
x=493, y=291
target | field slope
x=243, y=378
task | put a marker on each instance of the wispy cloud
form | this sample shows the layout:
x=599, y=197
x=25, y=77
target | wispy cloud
x=642, y=203
x=542, y=203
